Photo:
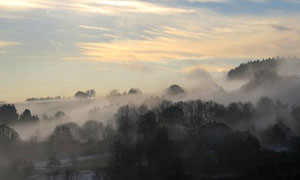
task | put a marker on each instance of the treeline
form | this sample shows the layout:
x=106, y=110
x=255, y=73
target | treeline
x=251, y=68
x=66, y=140
x=44, y=98
x=116, y=93
x=160, y=139
x=9, y=115
x=203, y=140
x=65, y=135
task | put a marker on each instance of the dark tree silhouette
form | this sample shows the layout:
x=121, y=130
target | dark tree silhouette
x=80, y=95
x=250, y=69
x=91, y=130
x=8, y=114
x=91, y=93
x=85, y=95
x=213, y=133
x=26, y=117
x=171, y=115
x=194, y=119
x=114, y=93
x=175, y=90
x=8, y=135
x=237, y=113
x=62, y=135
x=126, y=118
x=276, y=134
x=59, y=115
x=147, y=122
x=239, y=153
x=296, y=112
x=134, y=91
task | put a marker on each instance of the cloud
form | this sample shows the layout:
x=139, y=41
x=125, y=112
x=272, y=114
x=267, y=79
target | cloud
x=197, y=73
x=198, y=37
x=137, y=67
x=141, y=7
x=209, y=1
x=228, y=1
x=206, y=68
x=2, y=51
x=6, y=44
x=281, y=28
x=7, y=16
x=94, y=27
x=21, y=4
x=91, y=6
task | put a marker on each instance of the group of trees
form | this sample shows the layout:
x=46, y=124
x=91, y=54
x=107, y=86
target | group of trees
x=270, y=76
x=68, y=134
x=48, y=98
x=7, y=135
x=172, y=90
x=9, y=115
x=198, y=140
x=132, y=91
x=174, y=140
x=141, y=148
x=175, y=90
x=250, y=69
x=85, y=95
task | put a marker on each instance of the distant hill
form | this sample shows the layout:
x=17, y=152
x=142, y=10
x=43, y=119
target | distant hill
x=274, y=77
x=254, y=68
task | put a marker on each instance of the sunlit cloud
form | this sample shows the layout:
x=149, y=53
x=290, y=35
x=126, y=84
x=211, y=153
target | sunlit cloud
x=91, y=6
x=21, y=4
x=212, y=68
x=241, y=37
x=136, y=67
x=7, y=16
x=141, y=7
x=229, y=1
x=6, y=44
x=94, y=28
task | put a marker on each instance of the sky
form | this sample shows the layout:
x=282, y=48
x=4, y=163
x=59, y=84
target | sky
x=56, y=47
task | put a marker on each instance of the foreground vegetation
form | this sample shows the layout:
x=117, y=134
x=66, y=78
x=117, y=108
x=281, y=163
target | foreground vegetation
x=164, y=140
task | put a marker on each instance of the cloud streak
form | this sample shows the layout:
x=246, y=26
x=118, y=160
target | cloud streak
x=93, y=28
x=226, y=37
x=91, y=6
x=6, y=44
x=211, y=68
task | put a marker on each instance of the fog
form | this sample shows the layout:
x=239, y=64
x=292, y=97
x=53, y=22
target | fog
x=78, y=111
x=279, y=82
x=252, y=111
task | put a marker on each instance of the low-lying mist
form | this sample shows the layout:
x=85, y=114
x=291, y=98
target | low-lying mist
x=277, y=78
x=241, y=126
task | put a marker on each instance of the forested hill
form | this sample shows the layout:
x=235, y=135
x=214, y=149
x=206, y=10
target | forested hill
x=275, y=77
x=252, y=68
